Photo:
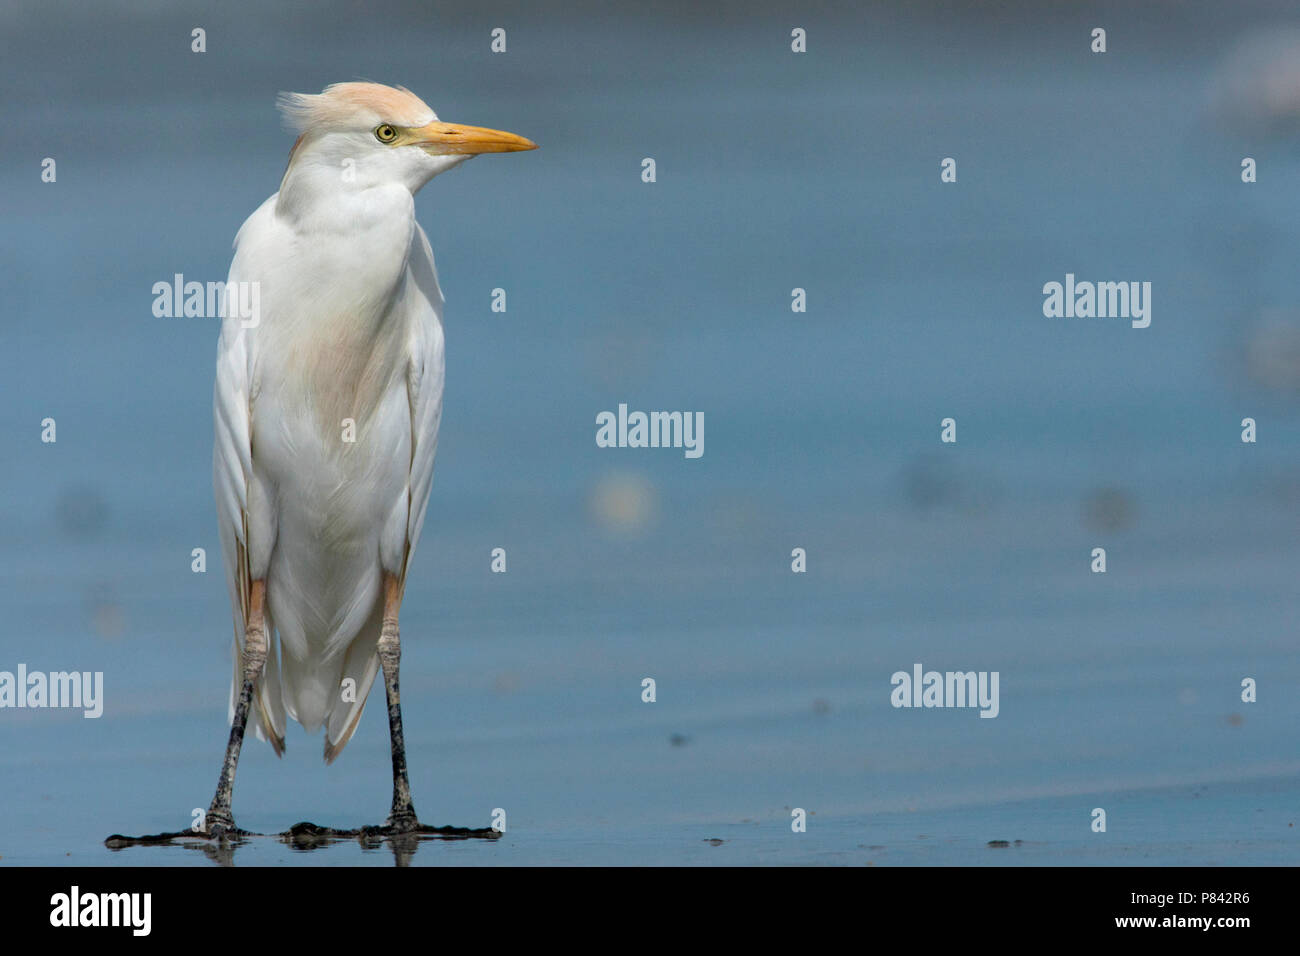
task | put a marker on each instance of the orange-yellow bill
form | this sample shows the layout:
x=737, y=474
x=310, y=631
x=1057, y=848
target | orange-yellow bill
x=454, y=138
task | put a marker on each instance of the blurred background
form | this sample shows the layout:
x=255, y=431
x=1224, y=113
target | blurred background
x=775, y=170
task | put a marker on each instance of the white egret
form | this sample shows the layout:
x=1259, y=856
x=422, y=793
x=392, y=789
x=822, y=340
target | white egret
x=326, y=407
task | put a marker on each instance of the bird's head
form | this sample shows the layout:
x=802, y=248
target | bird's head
x=360, y=135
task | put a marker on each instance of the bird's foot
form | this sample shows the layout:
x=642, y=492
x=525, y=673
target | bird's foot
x=402, y=820
x=219, y=824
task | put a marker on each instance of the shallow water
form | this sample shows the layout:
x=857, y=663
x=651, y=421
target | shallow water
x=522, y=691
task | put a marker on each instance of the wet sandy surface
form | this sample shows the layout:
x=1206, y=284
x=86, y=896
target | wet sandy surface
x=522, y=691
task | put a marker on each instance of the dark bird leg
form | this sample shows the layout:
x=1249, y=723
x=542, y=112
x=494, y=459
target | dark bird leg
x=220, y=822
x=402, y=817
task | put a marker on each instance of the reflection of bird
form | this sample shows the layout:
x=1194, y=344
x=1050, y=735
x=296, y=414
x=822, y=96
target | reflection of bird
x=327, y=407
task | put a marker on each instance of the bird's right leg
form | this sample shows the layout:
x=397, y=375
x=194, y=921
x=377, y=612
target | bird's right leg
x=402, y=817
x=220, y=821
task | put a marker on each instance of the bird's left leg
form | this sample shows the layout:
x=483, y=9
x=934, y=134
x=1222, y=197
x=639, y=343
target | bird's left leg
x=390, y=655
x=220, y=822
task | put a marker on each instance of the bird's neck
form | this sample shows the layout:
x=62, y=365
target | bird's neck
x=349, y=231
x=316, y=198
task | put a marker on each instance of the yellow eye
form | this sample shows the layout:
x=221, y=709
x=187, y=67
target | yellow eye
x=385, y=133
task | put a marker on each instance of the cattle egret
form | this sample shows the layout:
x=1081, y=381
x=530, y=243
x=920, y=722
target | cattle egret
x=326, y=407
